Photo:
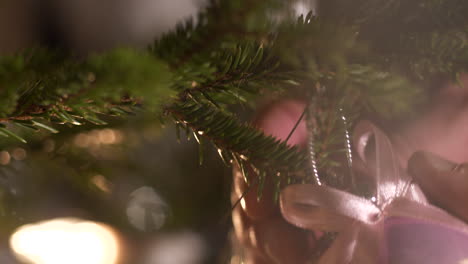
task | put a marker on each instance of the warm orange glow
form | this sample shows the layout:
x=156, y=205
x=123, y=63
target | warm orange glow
x=19, y=154
x=96, y=138
x=102, y=183
x=107, y=136
x=82, y=140
x=65, y=240
x=4, y=157
x=49, y=145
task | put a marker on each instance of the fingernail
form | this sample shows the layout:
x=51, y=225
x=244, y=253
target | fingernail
x=423, y=160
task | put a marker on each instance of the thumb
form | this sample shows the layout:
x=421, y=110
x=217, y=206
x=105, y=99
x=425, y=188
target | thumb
x=444, y=182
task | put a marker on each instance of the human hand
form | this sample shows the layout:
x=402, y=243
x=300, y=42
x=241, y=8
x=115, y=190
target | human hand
x=264, y=234
x=439, y=137
x=444, y=182
x=440, y=129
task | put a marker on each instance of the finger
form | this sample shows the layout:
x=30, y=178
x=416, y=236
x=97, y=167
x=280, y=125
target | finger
x=258, y=224
x=271, y=241
x=277, y=121
x=282, y=242
x=255, y=208
x=253, y=258
x=241, y=223
x=264, y=233
x=280, y=120
x=444, y=182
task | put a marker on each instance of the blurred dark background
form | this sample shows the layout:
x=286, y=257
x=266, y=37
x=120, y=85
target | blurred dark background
x=136, y=175
x=88, y=25
x=91, y=175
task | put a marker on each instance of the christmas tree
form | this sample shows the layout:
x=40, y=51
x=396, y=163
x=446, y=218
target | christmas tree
x=95, y=136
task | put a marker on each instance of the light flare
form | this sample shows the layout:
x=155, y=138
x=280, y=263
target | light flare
x=65, y=240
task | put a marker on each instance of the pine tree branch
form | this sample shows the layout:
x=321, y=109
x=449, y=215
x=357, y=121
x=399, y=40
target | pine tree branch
x=97, y=81
x=198, y=74
x=44, y=85
x=226, y=132
x=222, y=21
x=425, y=55
x=233, y=73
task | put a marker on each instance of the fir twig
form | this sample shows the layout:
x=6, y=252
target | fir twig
x=226, y=132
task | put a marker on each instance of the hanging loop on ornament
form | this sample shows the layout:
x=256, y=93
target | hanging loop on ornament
x=311, y=127
x=378, y=161
x=348, y=148
x=364, y=140
x=349, y=151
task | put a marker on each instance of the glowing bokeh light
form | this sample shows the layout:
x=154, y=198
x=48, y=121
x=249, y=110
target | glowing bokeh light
x=19, y=154
x=146, y=210
x=4, y=157
x=65, y=240
x=177, y=248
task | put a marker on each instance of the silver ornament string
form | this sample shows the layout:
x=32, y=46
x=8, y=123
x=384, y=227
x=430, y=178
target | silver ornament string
x=311, y=127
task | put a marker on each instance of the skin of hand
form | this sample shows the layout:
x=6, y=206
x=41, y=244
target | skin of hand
x=266, y=237
x=437, y=152
x=433, y=148
x=444, y=182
